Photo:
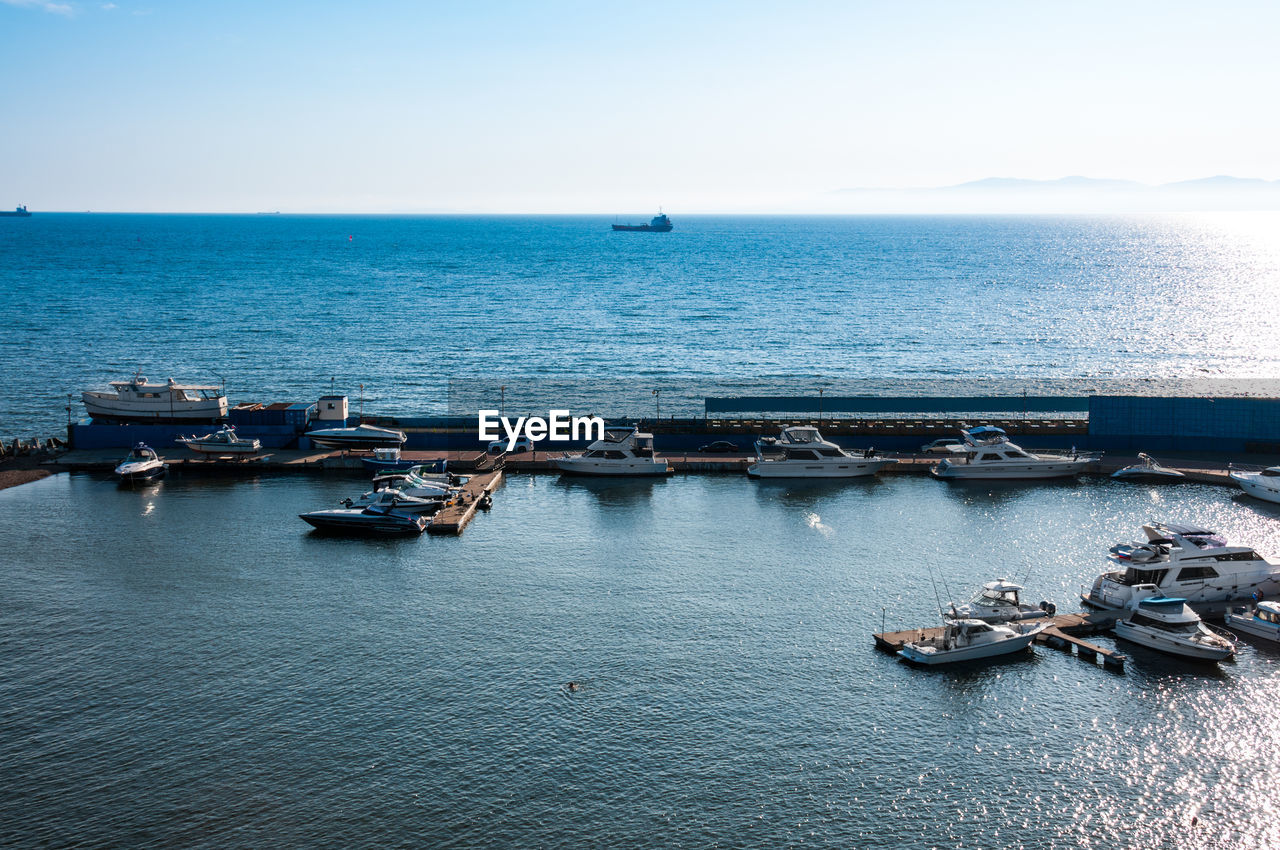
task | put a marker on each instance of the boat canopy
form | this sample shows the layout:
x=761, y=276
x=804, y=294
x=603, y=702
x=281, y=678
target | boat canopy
x=1272, y=607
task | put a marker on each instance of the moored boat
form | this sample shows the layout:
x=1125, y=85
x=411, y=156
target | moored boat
x=1257, y=482
x=224, y=441
x=392, y=499
x=357, y=438
x=1183, y=561
x=138, y=400
x=387, y=458
x=370, y=521
x=1261, y=620
x=971, y=640
x=987, y=453
x=801, y=452
x=1169, y=625
x=141, y=465
x=998, y=602
x=1147, y=469
x=623, y=451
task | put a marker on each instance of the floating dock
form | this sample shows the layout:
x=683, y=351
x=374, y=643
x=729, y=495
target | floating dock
x=454, y=518
x=1063, y=633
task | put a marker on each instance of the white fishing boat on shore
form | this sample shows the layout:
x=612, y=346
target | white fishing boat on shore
x=138, y=400
x=224, y=441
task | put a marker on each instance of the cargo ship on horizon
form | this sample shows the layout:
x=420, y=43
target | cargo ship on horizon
x=658, y=224
x=21, y=212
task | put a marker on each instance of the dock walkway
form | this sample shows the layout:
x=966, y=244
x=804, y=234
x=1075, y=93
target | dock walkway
x=1062, y=634
x=454, y=518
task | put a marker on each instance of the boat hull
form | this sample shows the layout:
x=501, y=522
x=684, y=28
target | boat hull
x=107, y=408
x=1251, y=484
x=333, y=522
x=130, y=474
x=1171, y=646
x=851, y=468
x=919, y=655
x=1012, y=471
x=245, y=448
x=630, y=468
x=1252, y=626
x=642, y=228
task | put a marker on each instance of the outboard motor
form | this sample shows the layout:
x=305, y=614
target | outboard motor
x=1048, y=608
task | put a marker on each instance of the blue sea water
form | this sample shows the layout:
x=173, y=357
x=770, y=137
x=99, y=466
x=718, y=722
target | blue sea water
x=187, y=665
x=425, y=310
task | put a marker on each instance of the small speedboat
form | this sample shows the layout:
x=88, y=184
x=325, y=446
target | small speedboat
x=1260, y=620
x=360, y=437
x=1169, y=625
x=971, y=640
x=414, y=482
x=142, y=465
x=224, y=441
x=371, y=521
x=998, y=602
x=396, y=500
x=1260, y=483
x=1147, y=469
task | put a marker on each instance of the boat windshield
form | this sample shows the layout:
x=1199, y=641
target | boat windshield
x=996, y=598
x=801, y=435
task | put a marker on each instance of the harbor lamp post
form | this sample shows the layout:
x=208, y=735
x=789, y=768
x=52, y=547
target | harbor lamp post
x=657, y=401
x=820, y=391
x=502, y=400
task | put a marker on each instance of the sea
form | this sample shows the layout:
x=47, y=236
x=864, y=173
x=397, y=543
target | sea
x=420, y=316
x=187, y=664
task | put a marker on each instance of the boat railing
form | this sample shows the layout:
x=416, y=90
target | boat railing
x=1245, y=467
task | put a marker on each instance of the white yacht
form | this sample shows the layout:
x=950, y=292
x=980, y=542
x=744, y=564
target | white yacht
x=137, y=400
x=142, y=465
x=1147, y=469
x=418, y=478
x=359, y=437
x=1257, y=482
x=623, y=451
x=1169, y=625
x=1261, y=620
x=224, y=441
x=970, y=640
x=800, y=452
x=998, y=602
x=1186, y=562
x=987, y=453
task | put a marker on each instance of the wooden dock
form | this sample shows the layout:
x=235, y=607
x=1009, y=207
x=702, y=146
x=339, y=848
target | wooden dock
x=1064, y=633
x=454, y=518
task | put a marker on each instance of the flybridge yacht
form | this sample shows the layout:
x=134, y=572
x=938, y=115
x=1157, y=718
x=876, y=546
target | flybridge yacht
x=800, y=452
x=623, y=451
x=138, y=400
x=1169, y=625
x=1260, y=483
x=1187, y=562
x=987, y=453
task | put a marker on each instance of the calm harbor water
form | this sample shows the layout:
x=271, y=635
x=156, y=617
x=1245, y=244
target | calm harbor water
x=414, y=308
x=187, y=665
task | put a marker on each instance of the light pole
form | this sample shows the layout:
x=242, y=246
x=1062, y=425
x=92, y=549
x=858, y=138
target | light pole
x=657, y=401
x=502, y=400
x=362, y=404
x=820, y=391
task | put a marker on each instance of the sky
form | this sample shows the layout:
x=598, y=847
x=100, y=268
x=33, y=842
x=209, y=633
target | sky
x=616, y=108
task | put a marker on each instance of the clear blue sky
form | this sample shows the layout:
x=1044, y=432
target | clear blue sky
x=616, y=107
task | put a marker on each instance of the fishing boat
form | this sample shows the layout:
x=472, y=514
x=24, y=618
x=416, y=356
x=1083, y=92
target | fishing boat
x=138, y=400
x=1147, y=469
x=373, y=521
x=1169, y=625
x=224, y=441
x=360, y=437
x=660, y=223
x=1183, y=561
x=801, y=452
x=141, y=465
x=971, y=640
x=19, y=211
x=987, y=453
x=622, y=451
x=1260, y=620
x=386, y=458
x=1257, y=482
x=998, y=602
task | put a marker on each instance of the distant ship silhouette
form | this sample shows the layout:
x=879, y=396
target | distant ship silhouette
x=18, y=212
x=658, y=224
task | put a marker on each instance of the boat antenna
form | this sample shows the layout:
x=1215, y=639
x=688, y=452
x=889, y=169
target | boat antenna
x=936, y=598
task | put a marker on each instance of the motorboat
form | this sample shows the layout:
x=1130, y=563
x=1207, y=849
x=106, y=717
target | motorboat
x=971, y=640
x=1184, y=561
x=357, y=438
x=417, y=481
x=801, y=452
x=387, y=458
x=1257, y=482
x=1260, y=620
x=998, y=602
x=1147, y=469
x=142, y=465
x=376, y=521
x=138, y=400
x=622, y=451
x=224, y=441
x=1169, y=625
x=988, y=453
x=392, y=499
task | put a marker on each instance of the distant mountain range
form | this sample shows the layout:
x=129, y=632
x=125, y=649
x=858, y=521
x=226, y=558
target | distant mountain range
x=1068, y=194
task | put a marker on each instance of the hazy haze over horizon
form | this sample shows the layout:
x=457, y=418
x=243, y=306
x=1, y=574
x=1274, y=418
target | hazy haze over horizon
x=575, y=107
